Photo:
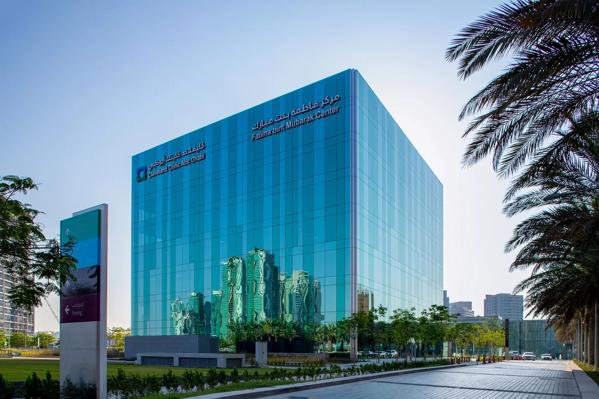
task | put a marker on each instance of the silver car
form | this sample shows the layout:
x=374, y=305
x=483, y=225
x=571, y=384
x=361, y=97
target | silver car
x=529, y=356
x=546, y=356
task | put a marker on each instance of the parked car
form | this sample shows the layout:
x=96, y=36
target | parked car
x=546, y=356
x=392, y=353
x=529, y=356
x=380, y=354
x=515, y=355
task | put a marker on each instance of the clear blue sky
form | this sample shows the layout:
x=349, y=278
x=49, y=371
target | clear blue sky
x=84, y=85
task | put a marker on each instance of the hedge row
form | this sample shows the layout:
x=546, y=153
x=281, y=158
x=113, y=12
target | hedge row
x=123, y=386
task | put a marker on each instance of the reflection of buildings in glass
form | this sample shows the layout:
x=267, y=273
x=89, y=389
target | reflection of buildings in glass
x=196, y=313
x=318, y=315
x=233, y=290
x=207, y=318
x=262, y=280
x=253, y=290
x=301, y=297
x=216, y=321
x=365, y=300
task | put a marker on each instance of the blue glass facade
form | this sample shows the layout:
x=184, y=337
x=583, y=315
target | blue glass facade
x=303, y=208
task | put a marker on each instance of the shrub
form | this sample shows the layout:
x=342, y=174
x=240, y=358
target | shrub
x=212, y=378
x=33, y=387
x=222, y=377
x=51, y=387
x=170, y=380
x=199, y=380
x=234, y=375
x=187, y=379
x=72, y=391
x=7, y=390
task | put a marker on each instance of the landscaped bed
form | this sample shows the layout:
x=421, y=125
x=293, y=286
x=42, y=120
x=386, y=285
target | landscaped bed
x=129, y=381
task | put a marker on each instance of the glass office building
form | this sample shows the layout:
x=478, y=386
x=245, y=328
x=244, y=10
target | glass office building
x=305, y=208
x=537, y=336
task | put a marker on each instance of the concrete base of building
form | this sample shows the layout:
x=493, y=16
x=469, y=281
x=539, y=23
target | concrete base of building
x=191, y=360
x=170, y=344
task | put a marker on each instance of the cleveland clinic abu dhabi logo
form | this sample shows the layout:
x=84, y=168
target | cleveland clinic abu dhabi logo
x=142, y=174
x=171, y=162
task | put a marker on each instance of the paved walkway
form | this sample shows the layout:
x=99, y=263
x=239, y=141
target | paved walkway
x=514, y=379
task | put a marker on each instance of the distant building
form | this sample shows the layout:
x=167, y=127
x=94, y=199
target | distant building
x=462, y=308
x=11, y=318
x=445, y=299
x=507, y=306
x=538, y=337
x=365, y=300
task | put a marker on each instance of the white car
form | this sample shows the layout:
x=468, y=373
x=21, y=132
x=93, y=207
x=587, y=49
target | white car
x=546, y=356
x=529, y=356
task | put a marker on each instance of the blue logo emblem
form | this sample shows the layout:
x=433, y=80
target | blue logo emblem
x=142, y=174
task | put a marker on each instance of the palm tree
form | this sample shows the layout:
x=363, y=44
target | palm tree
x=552, y=78
x=561, y=241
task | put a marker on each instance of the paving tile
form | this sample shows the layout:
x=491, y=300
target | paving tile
x=506, y=380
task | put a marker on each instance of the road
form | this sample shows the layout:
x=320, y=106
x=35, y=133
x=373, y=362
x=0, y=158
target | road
x=514, y=379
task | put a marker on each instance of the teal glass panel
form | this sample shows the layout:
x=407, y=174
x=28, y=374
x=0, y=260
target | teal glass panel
x=84, y=231
x=246, y=219
x=399, y=214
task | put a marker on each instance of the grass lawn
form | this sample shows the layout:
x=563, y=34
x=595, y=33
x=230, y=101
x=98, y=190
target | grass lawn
x=589, y=370
x=20, y=369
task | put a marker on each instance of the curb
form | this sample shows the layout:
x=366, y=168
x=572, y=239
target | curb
x=586, y=386
x=282, y=389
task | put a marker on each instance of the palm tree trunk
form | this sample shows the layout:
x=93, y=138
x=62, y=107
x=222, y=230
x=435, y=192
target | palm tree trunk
x=596, y=334
x=577, y=345
x=579, y=338
x=589, y=341
x=585, y=333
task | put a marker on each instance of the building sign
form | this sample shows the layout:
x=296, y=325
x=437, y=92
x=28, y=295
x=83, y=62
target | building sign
x=83, y=300
x=80, y=297
x=171, y=162
x=303, y=115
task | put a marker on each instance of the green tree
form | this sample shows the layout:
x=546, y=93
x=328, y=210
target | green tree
x=44, y=339
x=464, y=336
x=116, y=337
x=18, y=339
x=37, y=265
x=404, y=329
x=560, y=242
x=3, y=340
x=331, y=335
x=552, y=77
x=342, y=329
x=363, y=322
x=540, y=119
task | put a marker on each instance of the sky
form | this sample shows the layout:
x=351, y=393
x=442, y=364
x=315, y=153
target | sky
x=85, y=85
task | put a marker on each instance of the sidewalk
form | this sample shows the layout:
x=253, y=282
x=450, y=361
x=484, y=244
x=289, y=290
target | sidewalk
x=302, y=386
x=587, y=387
